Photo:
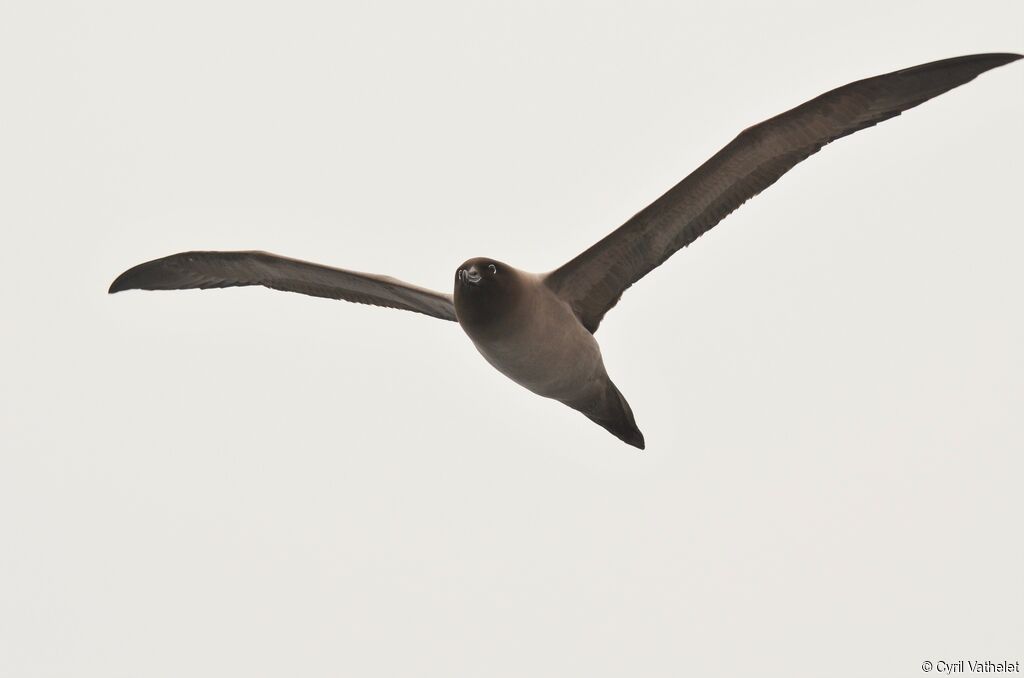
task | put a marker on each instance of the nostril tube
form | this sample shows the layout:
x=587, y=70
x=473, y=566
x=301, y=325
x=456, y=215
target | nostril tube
x=468, y=275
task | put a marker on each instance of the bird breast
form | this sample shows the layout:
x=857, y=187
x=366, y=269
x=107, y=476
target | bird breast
x=540, y=344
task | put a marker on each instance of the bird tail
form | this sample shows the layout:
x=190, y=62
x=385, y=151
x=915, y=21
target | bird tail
x=615, y=416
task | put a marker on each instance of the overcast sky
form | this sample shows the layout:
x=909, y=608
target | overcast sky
x=252, y=483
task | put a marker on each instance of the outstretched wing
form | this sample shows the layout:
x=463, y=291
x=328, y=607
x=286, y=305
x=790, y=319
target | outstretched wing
x=204, y=270
x=594, y=281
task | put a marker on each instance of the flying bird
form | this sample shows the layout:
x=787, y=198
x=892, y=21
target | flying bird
x=538, y=328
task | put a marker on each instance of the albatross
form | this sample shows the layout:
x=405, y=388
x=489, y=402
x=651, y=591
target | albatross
x=538, y=328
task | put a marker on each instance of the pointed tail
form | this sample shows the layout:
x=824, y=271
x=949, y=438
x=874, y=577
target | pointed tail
x=613, y=413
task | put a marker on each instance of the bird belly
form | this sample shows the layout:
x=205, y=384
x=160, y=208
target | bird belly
x=549, y=353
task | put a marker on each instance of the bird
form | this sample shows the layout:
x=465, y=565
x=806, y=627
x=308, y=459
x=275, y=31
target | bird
x=538, y=329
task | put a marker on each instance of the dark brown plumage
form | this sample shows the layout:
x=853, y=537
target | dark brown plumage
x=537, y=329
x=207, y=270
x=594, y=281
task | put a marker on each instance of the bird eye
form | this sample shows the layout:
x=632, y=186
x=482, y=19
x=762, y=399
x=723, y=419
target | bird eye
x=493, y=269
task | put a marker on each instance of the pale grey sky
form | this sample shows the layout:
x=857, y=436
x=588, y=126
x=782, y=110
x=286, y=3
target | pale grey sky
x=246, y=482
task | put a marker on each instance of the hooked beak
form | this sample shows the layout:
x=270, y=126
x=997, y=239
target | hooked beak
x=471, y=275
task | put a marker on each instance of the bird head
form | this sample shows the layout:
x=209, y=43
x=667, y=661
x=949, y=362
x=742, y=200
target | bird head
x=483, y=274
x=485, y=290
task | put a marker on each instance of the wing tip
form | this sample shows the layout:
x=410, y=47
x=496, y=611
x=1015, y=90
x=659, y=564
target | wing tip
x=149, y=274
x=958, y=70
x=120, y=284
x=990, y=59
x=133, y=278
x=980, y=63
x=997, y=59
